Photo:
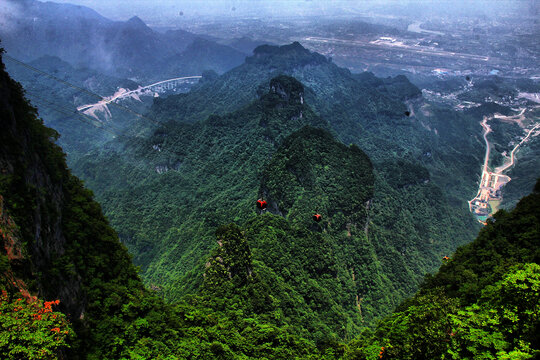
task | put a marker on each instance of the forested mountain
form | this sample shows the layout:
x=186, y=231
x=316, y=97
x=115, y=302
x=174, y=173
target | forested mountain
x=279, y=286
x=362, y=109
x=80, y=36
x=57, y=246
x=167, y=194
x=483, y=303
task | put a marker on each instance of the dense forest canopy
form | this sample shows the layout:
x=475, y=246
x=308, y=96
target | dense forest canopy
x=198, y=187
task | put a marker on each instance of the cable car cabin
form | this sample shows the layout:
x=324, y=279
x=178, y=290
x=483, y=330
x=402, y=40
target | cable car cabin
x=317, y=218
x=446, y=258
x=261, y=204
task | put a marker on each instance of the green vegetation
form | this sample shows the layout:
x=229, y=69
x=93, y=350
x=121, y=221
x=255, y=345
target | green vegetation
x=166, y=195
x=311, y=172
x=483, y=302
x=68, y=251
x=31, y=330
x=274, y=286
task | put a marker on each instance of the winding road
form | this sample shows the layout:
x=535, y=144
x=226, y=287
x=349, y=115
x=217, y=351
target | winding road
x=485, y=190
x=500, y=169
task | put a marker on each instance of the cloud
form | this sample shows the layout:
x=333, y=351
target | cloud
x=10, y=11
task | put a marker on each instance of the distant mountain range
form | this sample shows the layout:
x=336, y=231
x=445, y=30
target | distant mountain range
x=79, y=35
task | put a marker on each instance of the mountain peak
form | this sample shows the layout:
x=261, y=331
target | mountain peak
x=285, y=56
x=136, y=21
x=270, y=49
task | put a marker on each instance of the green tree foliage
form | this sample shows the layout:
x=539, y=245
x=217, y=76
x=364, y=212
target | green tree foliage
x=482, y=304
x=76, y=256
x=421, y=331
x=274, y=287
x=31, y=330
x=166, y=195
x=311, y=172
x=504, y=323
x=232, y=260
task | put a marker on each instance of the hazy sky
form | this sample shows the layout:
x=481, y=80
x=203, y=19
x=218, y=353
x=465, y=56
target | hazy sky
x=166, y=10
x=123, y=8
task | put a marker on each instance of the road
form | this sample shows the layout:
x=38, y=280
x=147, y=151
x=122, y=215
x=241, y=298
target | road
x=499, y=170
x=487, y=130
x=484, y=178
x=496, y=178
x=121, y=94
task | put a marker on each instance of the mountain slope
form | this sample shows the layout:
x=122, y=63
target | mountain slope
x=482, y=303
x=205, y=174
x=59, y=223
x=361, y=108
x=58, y=102
x=166, y=195
x=203, y=55
x=325, y=81
x=56, y=244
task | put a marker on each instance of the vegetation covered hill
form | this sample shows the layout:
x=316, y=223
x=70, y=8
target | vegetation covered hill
x=166, y=195
x=58, y=246
x=274, y=288
x=483, y=303
x=231, y=161
x=361, y=108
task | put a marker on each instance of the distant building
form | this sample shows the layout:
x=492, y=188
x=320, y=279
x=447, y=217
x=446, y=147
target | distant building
x=440, y=71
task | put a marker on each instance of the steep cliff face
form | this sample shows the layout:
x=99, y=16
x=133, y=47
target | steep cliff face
x=33, y=174
x=56, y=242
x=287, y=88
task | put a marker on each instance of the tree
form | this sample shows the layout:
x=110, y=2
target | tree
x=504, y=323
x=31, y=330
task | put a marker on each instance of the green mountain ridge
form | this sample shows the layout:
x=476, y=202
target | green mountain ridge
x=482, y=303
x=59, y=246
x=271, y=289
x=167, y=194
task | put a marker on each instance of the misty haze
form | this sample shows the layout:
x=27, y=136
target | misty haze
x=259, y=179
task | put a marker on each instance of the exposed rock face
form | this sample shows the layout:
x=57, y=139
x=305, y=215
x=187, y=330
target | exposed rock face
x=232, y=260
x=26, y=169
x=288, y=89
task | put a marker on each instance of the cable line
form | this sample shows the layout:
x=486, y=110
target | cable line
x=70, y=110
x=78, y=88
x=76, y=113
x=88, y=120
x=83, y=117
